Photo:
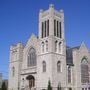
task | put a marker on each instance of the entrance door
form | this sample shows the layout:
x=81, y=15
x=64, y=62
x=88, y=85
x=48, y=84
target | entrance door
x=31, y=81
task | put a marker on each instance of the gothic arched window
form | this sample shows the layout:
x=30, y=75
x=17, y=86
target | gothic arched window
x=47, y=27
x=31, y=57
x=60, y=29
x=46, y=46
x=13, y=71
x=42, y=30
x=84, y=71
x=60, y=47
x=44, y=66
x=58, y=66
x=57, y=28
x=54, y=27
x=42, y=47
x=69, y=74
x=56, y=46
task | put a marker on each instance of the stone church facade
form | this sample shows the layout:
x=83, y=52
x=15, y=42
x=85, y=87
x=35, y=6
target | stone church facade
x=47, y=58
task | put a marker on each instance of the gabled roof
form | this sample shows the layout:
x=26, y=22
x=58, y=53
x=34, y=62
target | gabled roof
x=69, y=52
x=69, y=55
x=31, y=39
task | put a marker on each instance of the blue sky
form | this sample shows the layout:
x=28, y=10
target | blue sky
x=19, y=19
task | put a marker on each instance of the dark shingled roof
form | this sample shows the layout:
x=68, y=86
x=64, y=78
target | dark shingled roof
x=69, y=56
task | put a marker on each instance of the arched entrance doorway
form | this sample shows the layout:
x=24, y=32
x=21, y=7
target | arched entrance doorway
x=31, y=81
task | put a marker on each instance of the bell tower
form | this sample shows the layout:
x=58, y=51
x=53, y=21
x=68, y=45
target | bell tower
x=51, y=23
x=51, y=63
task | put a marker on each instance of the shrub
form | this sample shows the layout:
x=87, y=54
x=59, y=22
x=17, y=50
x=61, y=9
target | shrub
x=49, y=85
x=3, y=86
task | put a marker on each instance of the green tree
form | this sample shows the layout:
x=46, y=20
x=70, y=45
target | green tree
x=49, y=86
x=3, y=86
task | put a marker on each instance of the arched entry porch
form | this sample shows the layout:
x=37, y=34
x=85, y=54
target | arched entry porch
x=31, y=81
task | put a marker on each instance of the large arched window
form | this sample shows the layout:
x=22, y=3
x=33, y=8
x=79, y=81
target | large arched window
x=84, y=71
x=31, y=57
x=58, y=66
x=44, y=66
x=13, y=71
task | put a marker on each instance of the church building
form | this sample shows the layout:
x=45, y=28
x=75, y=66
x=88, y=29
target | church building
x=47, y=59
